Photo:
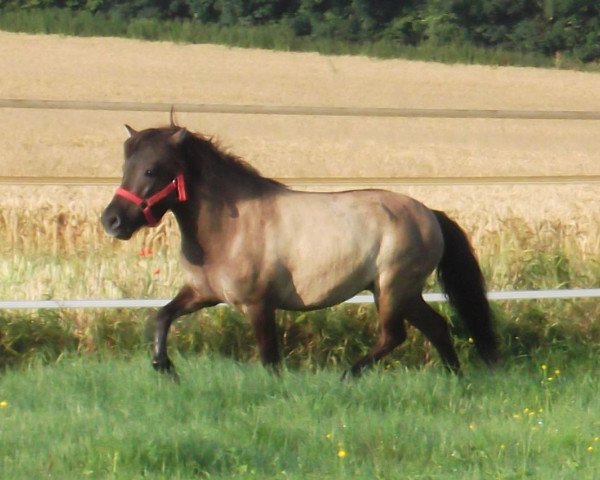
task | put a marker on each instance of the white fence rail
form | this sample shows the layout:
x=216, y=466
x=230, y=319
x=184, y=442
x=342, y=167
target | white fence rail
x=156, y=303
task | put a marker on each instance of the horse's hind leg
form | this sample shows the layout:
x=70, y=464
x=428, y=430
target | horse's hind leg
x=392, y=334
x=436, y=329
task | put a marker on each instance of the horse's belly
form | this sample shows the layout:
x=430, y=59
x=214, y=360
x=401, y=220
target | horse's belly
x=319, y=283
x=319, y=298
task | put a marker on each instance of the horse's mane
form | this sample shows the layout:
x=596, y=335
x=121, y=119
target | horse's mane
x=212, y=155
x=208, y=160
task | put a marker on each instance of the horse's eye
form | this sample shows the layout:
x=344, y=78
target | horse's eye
x=150, y=172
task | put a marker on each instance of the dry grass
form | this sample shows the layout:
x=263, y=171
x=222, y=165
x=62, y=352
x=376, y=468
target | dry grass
x=53, y=246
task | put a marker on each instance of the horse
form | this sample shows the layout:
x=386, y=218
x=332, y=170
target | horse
x=253, y=243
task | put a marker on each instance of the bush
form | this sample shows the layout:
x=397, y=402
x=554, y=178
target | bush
x=301, y=25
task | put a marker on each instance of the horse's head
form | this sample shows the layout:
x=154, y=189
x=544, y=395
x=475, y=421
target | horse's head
x=153, y=181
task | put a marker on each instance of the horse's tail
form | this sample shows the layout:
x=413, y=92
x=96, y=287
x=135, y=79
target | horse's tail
x=462, y=280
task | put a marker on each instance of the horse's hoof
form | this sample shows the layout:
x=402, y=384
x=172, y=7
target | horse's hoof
x=166, y=368
x=351, y=373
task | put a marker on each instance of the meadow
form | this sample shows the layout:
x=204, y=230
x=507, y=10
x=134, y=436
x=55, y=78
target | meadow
x=113, y=418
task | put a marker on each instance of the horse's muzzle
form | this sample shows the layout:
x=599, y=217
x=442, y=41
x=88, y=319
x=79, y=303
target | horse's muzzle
x=117, y=224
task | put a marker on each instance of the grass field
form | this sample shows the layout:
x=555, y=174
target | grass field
x=116, y=419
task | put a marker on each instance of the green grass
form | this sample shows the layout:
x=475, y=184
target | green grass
x=326, y=338
x=92, y=418
x=272, y=36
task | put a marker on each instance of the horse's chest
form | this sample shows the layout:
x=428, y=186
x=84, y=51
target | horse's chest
x=234, y=283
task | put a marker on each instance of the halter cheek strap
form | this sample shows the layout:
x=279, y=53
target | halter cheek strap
x=146, y=204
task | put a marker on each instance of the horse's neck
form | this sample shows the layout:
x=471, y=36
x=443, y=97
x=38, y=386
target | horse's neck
x=187, y=221
x=208, y=209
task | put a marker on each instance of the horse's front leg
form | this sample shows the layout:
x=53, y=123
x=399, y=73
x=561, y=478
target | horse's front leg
x=262, y=317
x=188, y=300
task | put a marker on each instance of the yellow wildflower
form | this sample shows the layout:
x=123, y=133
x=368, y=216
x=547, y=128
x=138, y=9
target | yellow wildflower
x=590, y=449
x=556, y=372
x=472, y=426
x=3, y=404
x=329, y=436
x=544, y=367
x=342, y=453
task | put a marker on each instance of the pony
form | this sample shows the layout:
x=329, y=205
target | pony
x=253, y=243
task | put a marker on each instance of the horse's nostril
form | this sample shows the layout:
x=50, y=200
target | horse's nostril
x=111, y=222
x=114, y=221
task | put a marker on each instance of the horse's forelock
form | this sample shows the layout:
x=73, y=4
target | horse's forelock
x=134, y=142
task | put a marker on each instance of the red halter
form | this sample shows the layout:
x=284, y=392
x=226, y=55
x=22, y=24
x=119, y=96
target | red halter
x=146, y=204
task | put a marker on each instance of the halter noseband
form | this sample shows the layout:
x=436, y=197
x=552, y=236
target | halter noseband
x=146, y=204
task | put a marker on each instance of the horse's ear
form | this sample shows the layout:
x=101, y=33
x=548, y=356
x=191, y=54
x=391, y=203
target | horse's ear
x=131, y=131
x=178, y=137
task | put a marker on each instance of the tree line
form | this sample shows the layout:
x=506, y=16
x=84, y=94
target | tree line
x=548, y=27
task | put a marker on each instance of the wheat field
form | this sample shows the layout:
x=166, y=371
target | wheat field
x=108, y=69
x=503, y=221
